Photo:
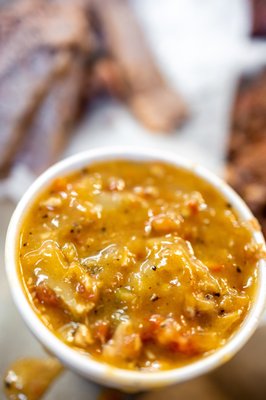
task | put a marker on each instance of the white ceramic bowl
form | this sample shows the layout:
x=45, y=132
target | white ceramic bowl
x=84, y=365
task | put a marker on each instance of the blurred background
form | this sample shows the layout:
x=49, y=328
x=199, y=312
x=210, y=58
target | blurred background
x=187, y=76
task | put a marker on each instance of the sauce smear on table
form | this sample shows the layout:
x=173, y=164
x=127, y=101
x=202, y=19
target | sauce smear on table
x=30, y=378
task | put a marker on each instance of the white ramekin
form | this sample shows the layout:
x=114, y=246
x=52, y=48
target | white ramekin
x=84, y=365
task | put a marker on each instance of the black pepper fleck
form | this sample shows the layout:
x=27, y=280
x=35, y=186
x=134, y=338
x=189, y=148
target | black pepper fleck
x=239, y=270
x=154, y=267
x=198, y=314
x=154, y=297
x=7, y=384
x=200, y=240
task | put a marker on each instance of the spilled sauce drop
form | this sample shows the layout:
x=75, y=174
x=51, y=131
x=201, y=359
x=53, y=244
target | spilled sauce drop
x=30, y=378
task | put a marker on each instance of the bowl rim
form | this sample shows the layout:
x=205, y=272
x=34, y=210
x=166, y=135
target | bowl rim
x=84, y=364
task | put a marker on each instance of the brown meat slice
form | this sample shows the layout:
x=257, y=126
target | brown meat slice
x=13, y=15
x=51, y=125
x=21, y=92
x=258, y=17
x=106, y=76
x=247, y=175
x=247, y=145
x=39, y=41
x=42, y=23
x=148, y=94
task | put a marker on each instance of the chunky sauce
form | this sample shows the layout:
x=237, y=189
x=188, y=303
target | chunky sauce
x=140, y=265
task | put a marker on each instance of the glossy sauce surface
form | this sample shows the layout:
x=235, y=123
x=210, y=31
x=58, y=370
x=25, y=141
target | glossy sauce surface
x=140, y=265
